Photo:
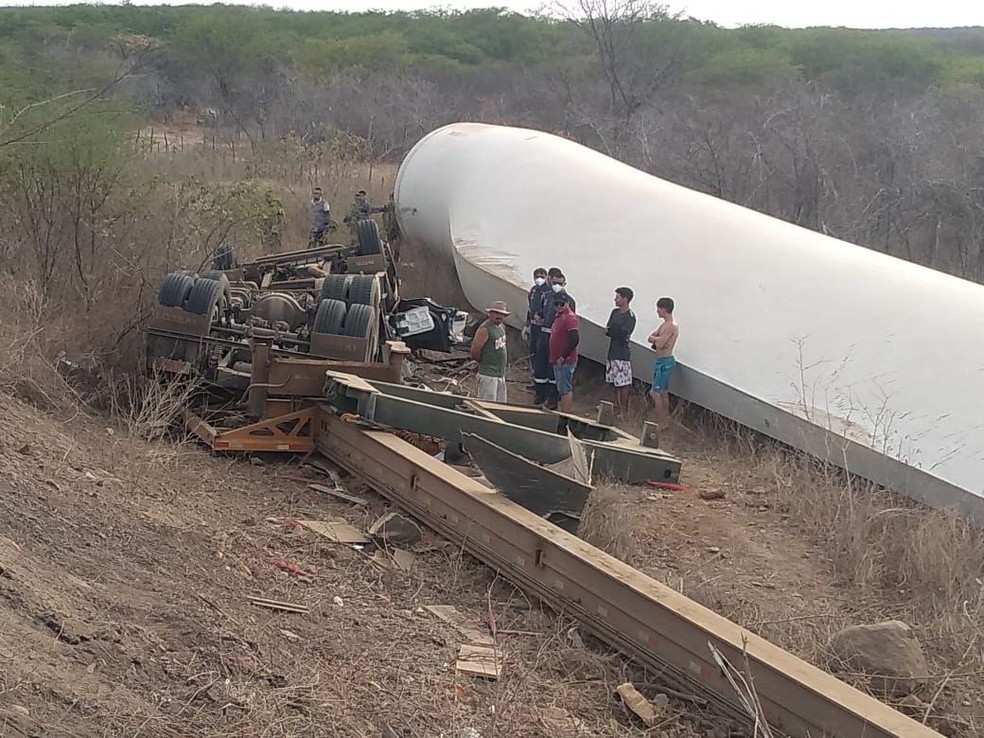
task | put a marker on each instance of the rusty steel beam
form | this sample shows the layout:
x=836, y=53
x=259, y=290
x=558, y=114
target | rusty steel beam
x=656, y=625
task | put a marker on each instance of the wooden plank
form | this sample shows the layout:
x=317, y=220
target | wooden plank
x=337, y=531
x=450, y=615
x=394, y=558
x=480, y=661
x=277, y=605
x=340, y=494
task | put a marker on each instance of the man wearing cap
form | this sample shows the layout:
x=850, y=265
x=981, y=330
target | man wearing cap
x=488, y=348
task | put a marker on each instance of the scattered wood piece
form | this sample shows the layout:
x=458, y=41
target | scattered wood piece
x=481, y=661
x=290, y=635
x=338, y=531
x=394, y=558
x=712, y=494
x=332, y=474
x=637, y=703
x=277, y=605
x=450, y=615
x=339, y=493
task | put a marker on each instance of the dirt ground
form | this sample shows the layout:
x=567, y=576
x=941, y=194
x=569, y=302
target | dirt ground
x=125, y=569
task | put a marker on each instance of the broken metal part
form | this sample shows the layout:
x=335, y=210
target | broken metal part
x=538, y=489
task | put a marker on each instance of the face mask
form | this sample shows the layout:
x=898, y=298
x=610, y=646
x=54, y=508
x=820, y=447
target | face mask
x=556, y=287
x=539, y=281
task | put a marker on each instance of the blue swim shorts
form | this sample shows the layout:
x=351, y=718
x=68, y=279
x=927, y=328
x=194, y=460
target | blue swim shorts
x=661, y=372
x=565, y=378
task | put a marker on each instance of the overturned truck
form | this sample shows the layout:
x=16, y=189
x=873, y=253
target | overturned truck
x=337, y=302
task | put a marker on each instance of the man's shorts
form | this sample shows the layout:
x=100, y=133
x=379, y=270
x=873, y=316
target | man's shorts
x=618, y=372
x=564, y=375
x=661, y=373
x=492, y=389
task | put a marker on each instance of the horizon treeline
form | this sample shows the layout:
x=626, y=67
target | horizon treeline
x=876, y=137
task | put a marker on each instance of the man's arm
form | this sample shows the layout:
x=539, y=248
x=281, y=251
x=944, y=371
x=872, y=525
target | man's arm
x=659, y=340
x=573, y=339
x=478, y=342
x=630, y=325
x=608, y=326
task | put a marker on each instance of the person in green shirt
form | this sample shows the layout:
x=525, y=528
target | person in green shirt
x=488, y=348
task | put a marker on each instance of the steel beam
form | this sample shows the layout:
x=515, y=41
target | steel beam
x=649, y=621
x=531, y=433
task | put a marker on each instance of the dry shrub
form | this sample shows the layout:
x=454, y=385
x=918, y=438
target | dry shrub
x=607, y=521
x=880, y=541
x=27, y=367
x=150, y=407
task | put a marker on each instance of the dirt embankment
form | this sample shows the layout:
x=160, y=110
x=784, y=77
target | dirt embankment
x=125, y=573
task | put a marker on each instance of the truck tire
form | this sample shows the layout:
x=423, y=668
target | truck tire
x=364, y=290
x=222, y=279
x=367, y=233
x=361, y=321
x=205, y=296
x=330, y=318
x=336, y=287
x=216, y=275
x=175, y=289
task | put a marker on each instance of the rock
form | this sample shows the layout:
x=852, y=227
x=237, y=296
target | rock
x=888, y=652
x=712, y=494
x=395, y=528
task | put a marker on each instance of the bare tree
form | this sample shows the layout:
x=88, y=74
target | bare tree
x=635, y=47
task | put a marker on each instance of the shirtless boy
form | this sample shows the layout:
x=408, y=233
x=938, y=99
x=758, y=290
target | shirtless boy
x=663, y=339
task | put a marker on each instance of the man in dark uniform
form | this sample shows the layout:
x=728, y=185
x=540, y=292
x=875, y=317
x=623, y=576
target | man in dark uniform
x=543, y=374
x=534, y=305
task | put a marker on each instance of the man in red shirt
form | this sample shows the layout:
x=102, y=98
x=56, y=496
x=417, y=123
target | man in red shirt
x=564, y=338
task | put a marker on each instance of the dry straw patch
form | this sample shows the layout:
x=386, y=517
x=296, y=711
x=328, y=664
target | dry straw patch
x=891, y=557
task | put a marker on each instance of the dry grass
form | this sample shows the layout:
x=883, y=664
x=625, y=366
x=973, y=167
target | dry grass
x=607, y=523
x=878, y=556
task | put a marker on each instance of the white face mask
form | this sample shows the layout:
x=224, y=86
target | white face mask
x=539, y=281
x=556, y=287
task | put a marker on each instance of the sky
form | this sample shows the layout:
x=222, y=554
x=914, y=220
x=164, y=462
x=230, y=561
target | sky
x=728, y=13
